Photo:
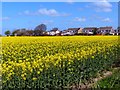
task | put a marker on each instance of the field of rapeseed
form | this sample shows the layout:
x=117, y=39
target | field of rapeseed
x=55, y=62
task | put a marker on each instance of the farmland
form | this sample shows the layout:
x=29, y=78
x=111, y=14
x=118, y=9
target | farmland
x=56, y=62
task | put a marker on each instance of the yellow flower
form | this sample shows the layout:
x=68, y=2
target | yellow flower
x=38, y=72
x=26, y=56
x=22, y=75
x=34, y=78
x=20, y=61
x=93, y=57
x=24, y=78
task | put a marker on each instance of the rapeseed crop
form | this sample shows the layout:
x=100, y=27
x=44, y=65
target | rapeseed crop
x=55, y=62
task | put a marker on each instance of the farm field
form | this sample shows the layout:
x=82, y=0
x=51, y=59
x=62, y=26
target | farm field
x=56, y=62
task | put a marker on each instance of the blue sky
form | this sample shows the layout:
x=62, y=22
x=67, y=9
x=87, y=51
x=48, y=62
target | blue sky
x=58, y=14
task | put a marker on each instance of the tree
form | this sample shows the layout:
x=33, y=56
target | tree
x=29, y=33
x=23, y=32
x=7, y=33
x=40, y=29
x=95, y=31
x=55, y=28
x=15, y=32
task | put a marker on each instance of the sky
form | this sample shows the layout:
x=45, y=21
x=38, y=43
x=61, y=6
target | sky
x=62, y=15
x=57, y=0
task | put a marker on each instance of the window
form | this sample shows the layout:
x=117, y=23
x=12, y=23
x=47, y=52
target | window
x=90, y=30
x=106, y=30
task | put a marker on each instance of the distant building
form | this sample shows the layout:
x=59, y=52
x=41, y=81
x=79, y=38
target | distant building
x=54, y=32
x=116, y=32
x=80, y=31
x=105, y=30
x=65, y=32
x=108, y=30
x=70, y=31
x=118, y=29
x=89, y=30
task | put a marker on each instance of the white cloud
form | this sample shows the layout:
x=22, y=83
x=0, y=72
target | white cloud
x=80, y=19
x=80, y=9
x=95, y=16
x=103, y=6
x=27, y=12
x=4, y=18
x=49, y=12
x=47, y=22
x=107, y=20
x=44, y=11
x=70, y=1
x=100, y=18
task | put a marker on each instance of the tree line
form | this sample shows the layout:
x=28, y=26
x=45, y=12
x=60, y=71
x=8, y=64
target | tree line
x=38, y=31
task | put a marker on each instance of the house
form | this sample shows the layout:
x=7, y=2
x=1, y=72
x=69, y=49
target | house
x=80, y=31
x=65, y=32
x=70, y=31
x=113, y=32
x=105, y=30
x=89, y=30
x=54, y=32
x=116, y=32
